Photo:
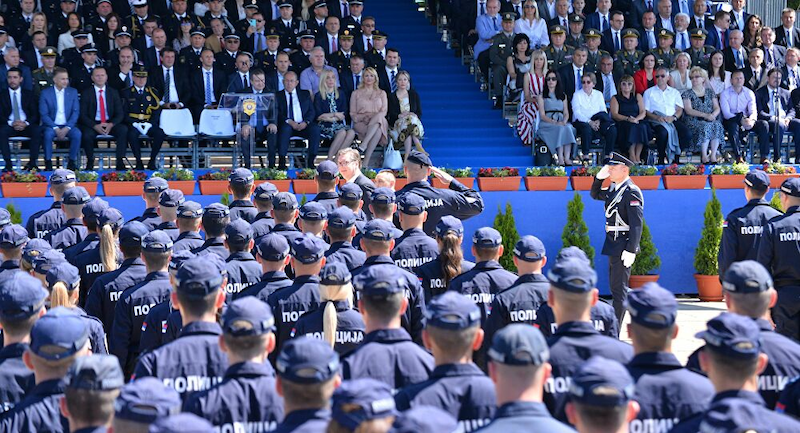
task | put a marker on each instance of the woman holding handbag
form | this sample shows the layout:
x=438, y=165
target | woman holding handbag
x=405, y=111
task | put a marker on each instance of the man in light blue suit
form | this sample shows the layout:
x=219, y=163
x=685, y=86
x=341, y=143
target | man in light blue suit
x=59, y=109
x=487, y=26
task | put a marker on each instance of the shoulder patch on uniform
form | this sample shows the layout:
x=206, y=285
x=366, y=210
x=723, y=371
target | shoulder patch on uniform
x=636, y=203
x=725, y=224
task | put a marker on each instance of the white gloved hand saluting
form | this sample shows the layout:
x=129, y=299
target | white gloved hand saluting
x=628, y=258
x=603, y=173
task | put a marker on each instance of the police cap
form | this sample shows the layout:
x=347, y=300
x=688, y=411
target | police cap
x=592, y=33
x=247, y=316
x=241, y=176
x=232, y=36
x=327, y=170
x=132, y=232
x=111, y=217
x=95, y=373
x=182, y=423
x=156, y=241
x=417, y=157
x=652, y=306
x=79, y=33
x=59, y=334
x=177, y=259
x=334, y=274
x=171, y=198
x=359, y=400
x=601, y=382
x=757, y=179
x=145, y=400
x=138, y=3
x=216, y=211
x=21, y=296
x=529, y=249
x=5, y=217
x=307, y=360
x=33, y=248
x=61, y=176
x=76, y=195
x=341, y=218
x=747, y=276
x=139, y=71
x=380, y=280
x=698, y=33
x=313, y=211
x=190, y=210
x=155, y=184
x=487, y=237
x=666, y=33
x=308, y=249
x=452, y=311
x=46, y=260
x=630, y=33
x=65, y=273
x=284, y=201
x=733, y=336
x=618, y=159
x=411, y=204
x=449, y=224
x=93, y=209
x=382, y=195
x=239, y=232
x=284, y=3
x=378, y=230
x=273, y=247
x=424, y=419
x=573, y=275
x=265, y=191
x=356, y=2
x=123, y=31
x=13, y=236
x=519, y=344
x=307, y=34
x=89, y=48
x=200, y=276
x=350, y=192
x=253, y=4
x=196, y=31
x=791, y=187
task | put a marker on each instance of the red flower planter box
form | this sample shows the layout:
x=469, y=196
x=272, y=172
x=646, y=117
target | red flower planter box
x=692, y=181
x=546, y=183
x=213, y=187
x=466, y=181
x=91, y=187
x=726, y=181
x=123, y=188
x=24, y=189
x=510, y=183
x=304, y=186
x=185, y=186
x=646, y=182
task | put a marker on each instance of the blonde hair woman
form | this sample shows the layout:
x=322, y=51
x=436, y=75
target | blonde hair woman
x=532, y=25
x=679, y=77
x=702, y=116
x=63, y=282
x=405, y=110
x=529, y=107
x=330, y=104
x=38, y=24
x=108, y=224
x=368, y=108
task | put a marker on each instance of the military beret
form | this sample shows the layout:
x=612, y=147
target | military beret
x=307, y=360
x=420, y=158
x=652, y=306
x=273, y=247
x=378, y=230
x=284, y=201
x=199, y=276
x=327, y=170
x=747, y=276
x=308, y=249
x=350, y=192
x=382, y=195
x=21, y=296
x=519, y=344
x=529, y=249
x=380, y=280
x=452, y=311
x=487, y=237
x=449, y=224
x=341, y=218
x=238, y=232
x=61, y=176
x=757, y=179
x=601, y=382
x=76, y=195
x=247, y=316
x=132, y=233
x=145, y=400
x=63, y=272
x=573, y=275
x=59, y=334
x=791, y=187
x=732, y=335
x=334, y=274
x=13, y=236
x=95, y=373
x=313, y=211
x=190, y=209
x=241, y=176
x=265, y=191
x=359, y=400
x=157, y=241
x=171, y=198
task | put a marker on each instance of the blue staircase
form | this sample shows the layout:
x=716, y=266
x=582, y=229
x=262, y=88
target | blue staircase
x=461, y=128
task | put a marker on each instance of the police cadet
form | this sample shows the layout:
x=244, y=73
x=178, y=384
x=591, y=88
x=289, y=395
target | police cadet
x=262, y=199
x=241, y=184
x=168, y=204
x=246, y=399
x=341, y=229
x=572, y=295
x=102, y=297
x=519, y=302
x=308, y=373
x=5, y=218
x=32, y=249
x=423, y=419
x=193, y=362
x=43, y=262
x=216, y=217
x=388, y=354
x=382, y=206
x=90, y=212
x=749, y=292
x=361, y=405
x=288, y=304
x=435, y=276
x=243, y=270
x=699, y=52
x=624, y=211
x=73, y=230
x=182, y=422
x=63, y=281
x=21, y=304
x=626, y=60
x=732, y=359
x=558, y=54
x=779, y=252
x=151, y=194
x=58, y=338
x=143, y=402
x=12, y=240
x=351, y=196
x=666, y=392
x=335, y=321
x=518, y=367
x=414, y=248
x=284, y=211
x=272, y=252
x=189, y=218
x=601, y=397
x=742, y=227
x=665, y=54
x=377, y=242
x=92, y=384
x=44, y=221
x=313, y=219
x=102, y=258
x=452, y=333
x=458, y=200
x=136, y=301
x=326, y=180
x=143, y=119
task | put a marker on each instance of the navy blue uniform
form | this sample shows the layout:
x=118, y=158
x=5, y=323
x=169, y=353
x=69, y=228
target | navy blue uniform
x=90, y=242
x=751, y=412
x=15, y=378
x=243, y=209
x=783, y=365
x=462, y=390
x=779, y=252
x=349, y=330
x=243, y=272
x=345, y=252
x=789, y=403
x=72, y=232
x=9, y=266
x=290, y=303
x=288, y=231
x=261, y=225
x=155, y=326
x=213, y=246
x=571, y=345
x=396, y=234
x=329, y=200
x=187, y=241
x=39, y=411
x=413, y=319
x=45, y=221
x=269, y=284
x=132, y=307
x=517, y=304
x=602, y=314
x=102, y=298
x=521, y=415
x=170, y=228
x=431, y=277
x=666, y=392
x=97, y=336
x=305, y=421
x=741, y=231
x=150, y=218
x=458, y=201
x=413, y=249
x=189, y=364
x=482, y=283
x=389, y=356
x=90, y=267
x=245, y=400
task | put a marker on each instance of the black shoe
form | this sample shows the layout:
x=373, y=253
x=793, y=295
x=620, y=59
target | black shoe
x=282, y=163
x=48, y=166
x=121, y=167
x=8, y=168
x=151, y=165
x=72, y=166
x=139, y=165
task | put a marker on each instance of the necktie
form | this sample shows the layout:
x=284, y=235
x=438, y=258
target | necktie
x=769, y=56
x=651, y=39
x=789, y=38
x=494, y=21
x=334, y=46
x=102, y=104
x=617, y=45
x=792, y=81
x=564, y=22
x=141, y=92
x=128, y=80
x=394, y=81
x=15, y=107
x=209, y=98
x=774, y=105
x=244, y=81
x=722, y=39
x=738, y=58
x=578, y=84
x=606, y=88
x=345, y=10
x=358, y=80
x=167, y=85
x=519, y=12
x=604, y=26
x=369, y=43
x=259, y=42
x=649, y=5
x=291, y=107
x=684, y=43
x=483, y=8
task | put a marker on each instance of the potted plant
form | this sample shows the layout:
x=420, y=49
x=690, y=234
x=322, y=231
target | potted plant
x=178, y=178
x=304, y=183
x=775, y=201
x=645, y=176
x=214, y=182
x=647, y=261
x=687, y=176
x=23, y=184
x=279, y=178
x=465, y=176
x=507, y=226
x=576, y=233
x=709, y=287
x=498, y=179
x=728, y=176
x=582, y=177
x=549, y=178
x=88, y=180
x=116, y=183
x=778, y=172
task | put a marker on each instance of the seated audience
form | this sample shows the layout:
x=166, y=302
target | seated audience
x=664, y=107
x=591, y=116
x=702, y=110
x=368, y=108
x=679, y=77
x=532, y=25
x=519, y=62
x=20, y=115
x=296, y=117
x=627, y=109
x=718, y=78
x=770, y=115
x=645, y=76
x=739, y=113
x=59, y=109
x=554, y=126
x=532, y=85
x=330, y=106
x=405, y=111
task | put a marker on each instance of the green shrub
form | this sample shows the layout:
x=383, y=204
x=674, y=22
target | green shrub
x=505, y=224
x=647, y=260
x=547, y=171
x=576, y=233
x=16, y=214
x=775, y=202
x=705, y=256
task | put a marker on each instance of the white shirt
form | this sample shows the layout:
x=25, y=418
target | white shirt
x=244, y=76
x=606, y=22
x=105, y=98
x=772, y=93
x=536, y=31
x=667, y=24
x=298, y=112
x=18, y=94
x=739, y=17
x=148, y=41
x=585, y=106
x=173, y=91
x=61, y=115
x=382, y=53
x=663, y=101
x=389, y=73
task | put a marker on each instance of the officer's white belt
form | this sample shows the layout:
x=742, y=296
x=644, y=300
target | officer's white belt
x=618, y=229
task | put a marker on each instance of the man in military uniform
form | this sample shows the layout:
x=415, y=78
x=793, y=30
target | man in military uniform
x=189, y=57
x=665, y=54
x=341, y=59
x=576, y=37
x=502, y=47
x=43, y=77
x=593, y=51
x=626, y=60
x=624, y=210
x=699, y=52
x=268, y=57
x=143, y=108
x=557, y=53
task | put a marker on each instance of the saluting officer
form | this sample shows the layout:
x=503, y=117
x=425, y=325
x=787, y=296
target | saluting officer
x=190, y=214
x=273, y=254
x=168, y=211
x=144, y=109
x=340, y=229
x=44, y=221
x=435, y=276
x=624, y=211
x=742, y=228
x=13, y=238
x=151, y=192
x=262, y=199
x=73, y=231
x=558, y=54
x=665, y=54
x=779, y=252
x=241, y=184
x=216, y=217
x=414, y=248
x=626, y=60
x=243, y=270
x=458, y=200
x=699, y=52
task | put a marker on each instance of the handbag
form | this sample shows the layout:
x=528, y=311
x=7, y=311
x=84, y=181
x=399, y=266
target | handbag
x=392, y=158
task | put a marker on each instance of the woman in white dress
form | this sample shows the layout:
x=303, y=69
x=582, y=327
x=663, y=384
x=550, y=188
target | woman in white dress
x=533, y=26
x=679, y=77
x=718, y=78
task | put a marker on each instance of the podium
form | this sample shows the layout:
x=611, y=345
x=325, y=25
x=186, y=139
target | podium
x=253, y=110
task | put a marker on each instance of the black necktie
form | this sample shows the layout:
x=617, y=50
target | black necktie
x=291, y=107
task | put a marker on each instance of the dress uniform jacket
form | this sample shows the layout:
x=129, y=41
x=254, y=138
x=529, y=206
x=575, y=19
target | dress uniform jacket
x=150, y=218
x=261, y=225
x=751, y=415
x=458, y=201
x=189, y=364
x=666, y=392
x=213, y=246
x=290, y=303
x=328, y=200
x=624, y=211
x=593, y=60
x=170, y=228
x=155, y=327
x=431, y=277
x=269, y=284
x=187, y=241
x=482, y=283
x=305, y=421
x=341, y=61
x=345, y=252
x=602, y=315
x=702, y=57
x=414, y=249
x=571, y=345
x=517, y=304
x=243, y=209
x=288, y=33
x=41, y=80
x=521, y=415
x=627, y=63
x=741, y=232
x=16, y=380
x=44, y=221
x=664, y=58
x=462, y=390
x=243, y=272
x=557, y=58
x=349, y=331
x=72, y=232
x=389, y=356
x=39, y=411
x=245, y=400
x=103, y=295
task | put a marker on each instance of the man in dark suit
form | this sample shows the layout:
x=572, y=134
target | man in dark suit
x=60, y=122
x=648, y=36
x=607, y=79
x=19, y=115
x=665, y=14
x=790, y=72
x=571, y=74
x=256, y=41
x=95, y=121
x=350, y=79
x=120, y=76
x=274, y=78
x=612, y=37
x=600, y=19
x=207, y=84
x=12, y=60
x=755, y=74
x=719, y=32
x=738, y=16
x=261, y=124
x=787, y=34
x=169, y=81
x=339, y=8
x=774, y=55
x=699, y=19
x=152, y=55
x=391, y=69
x=32, y=57
x=735, y=55
x=774, y=103
x=328, y=38
x=295, y=118
x=240, y=80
